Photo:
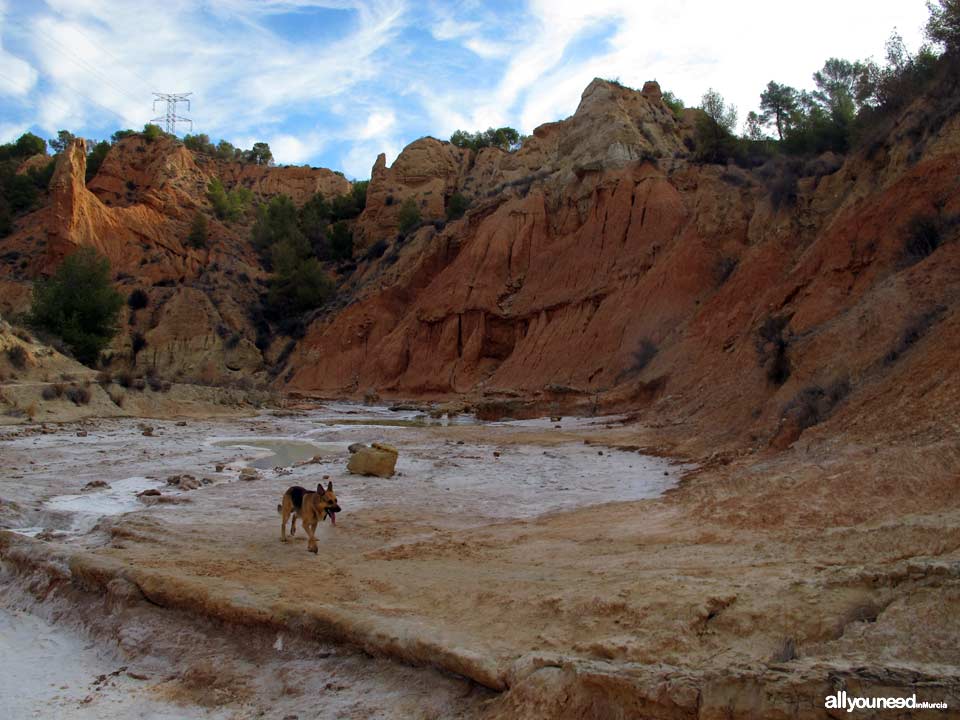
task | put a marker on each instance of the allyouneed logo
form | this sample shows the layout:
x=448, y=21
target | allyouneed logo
x=842, y=701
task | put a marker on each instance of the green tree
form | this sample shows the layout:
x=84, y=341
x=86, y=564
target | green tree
x=121, y=134
x=199, y=143
x=62, y=141
x=198, y=231
x=341, y=241
x=151, y=132
x=228, y=206
x=714, y=128
x=260, y=154
x=29, y=144
x=457, y=206
x=79, y=304
x=278, y=222
x=754, y=128
x=96, y=157
x=673, y=102
x=943, y=26
x=778, y=105
x=505, y=138
x=226, y=151
x=408, y=217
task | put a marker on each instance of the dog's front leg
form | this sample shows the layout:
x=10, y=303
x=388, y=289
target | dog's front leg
x=311, y=528
x=283, y=521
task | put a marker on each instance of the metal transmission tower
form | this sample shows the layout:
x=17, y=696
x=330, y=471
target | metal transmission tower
x=170, y=117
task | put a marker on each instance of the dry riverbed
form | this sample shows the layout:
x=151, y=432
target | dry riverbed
x=560, y=563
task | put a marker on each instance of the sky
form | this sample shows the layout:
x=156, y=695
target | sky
x=333, y=83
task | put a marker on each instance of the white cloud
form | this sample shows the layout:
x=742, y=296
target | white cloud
x=397, y=69
x=291, y=150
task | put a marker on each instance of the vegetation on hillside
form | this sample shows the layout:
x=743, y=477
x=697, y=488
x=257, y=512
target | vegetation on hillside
x=78, y=304
x=259, y=154
x=19, y=192
x=293, y=242
x=849, y=100
x=505, y=138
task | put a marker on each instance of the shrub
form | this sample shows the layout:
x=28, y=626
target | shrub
x=155, y=383
x=924, y=235
x=783, y=189
x=198, y=232
x=228, y=206
x=48, y=393
x=151, y=132
x=104, y=378
x=457, y=206
x=341, y=241
x=505, y=138
x=95, y=158
x=17, y=356
x=772, y=346
x=137, y=343
x=914, y=330
x=815, y=403
x=725, y=267
x=408, y=217
x=138, y=384
x=79, y=304
x=125, y=379
x=78, y=395
x=138, y=299
x=376, y=250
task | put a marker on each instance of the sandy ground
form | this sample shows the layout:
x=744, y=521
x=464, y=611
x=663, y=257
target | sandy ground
x=571, y=566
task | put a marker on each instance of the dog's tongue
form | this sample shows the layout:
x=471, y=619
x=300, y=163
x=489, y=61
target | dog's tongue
x=333, y=518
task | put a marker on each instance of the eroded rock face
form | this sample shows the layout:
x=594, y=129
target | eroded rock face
x=626, y=276
x=137, y=212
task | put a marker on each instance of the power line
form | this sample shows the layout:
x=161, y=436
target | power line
x=89, y=68
x=64, y=105
x=146, y=83
x=170, y=117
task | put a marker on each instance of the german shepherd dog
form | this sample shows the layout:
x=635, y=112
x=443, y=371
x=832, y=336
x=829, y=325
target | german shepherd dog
x=311, y=507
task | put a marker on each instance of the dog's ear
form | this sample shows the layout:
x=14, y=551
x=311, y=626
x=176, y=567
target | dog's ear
x=319, y=488
x=330, y=486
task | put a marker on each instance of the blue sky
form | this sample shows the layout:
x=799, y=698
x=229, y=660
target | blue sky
x=335, y=82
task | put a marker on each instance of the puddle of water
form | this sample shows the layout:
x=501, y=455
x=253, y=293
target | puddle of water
x=88, y=508
x=277, y=452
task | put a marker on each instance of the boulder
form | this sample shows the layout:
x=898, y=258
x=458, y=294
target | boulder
x=378, y=459
x=354, y=447
x=95, y=485
x=249, y=473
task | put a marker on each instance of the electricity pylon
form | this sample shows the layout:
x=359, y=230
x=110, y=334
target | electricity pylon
x=170, y=117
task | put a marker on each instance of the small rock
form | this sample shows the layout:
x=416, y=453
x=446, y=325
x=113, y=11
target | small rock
x=181, y=423
x=207, y=481
x=249, y=473
x=149, y=492
x=219, y=467
x=599, y=452
x=81, y=433
x=459, y=442
x=558, y=426
x=496, y=453
x=95, y=485
x=148, y=432
x=188, y=482
x=555, y=418
x=355, y=447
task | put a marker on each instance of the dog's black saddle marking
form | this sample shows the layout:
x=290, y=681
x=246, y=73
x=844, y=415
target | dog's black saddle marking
x=296, y=496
